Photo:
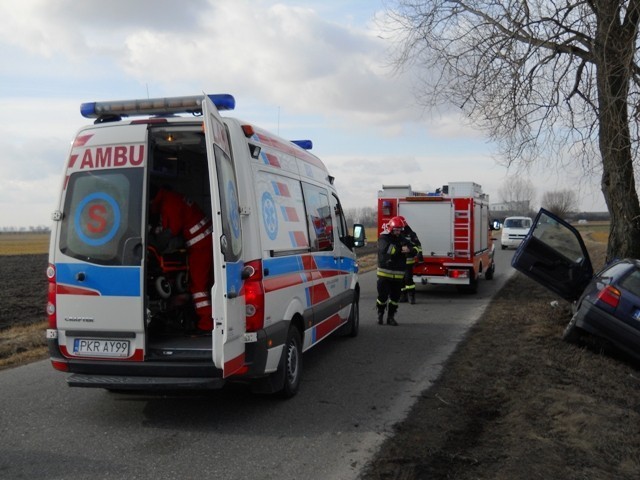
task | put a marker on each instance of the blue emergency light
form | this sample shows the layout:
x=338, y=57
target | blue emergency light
x=304, y=144
x=155, y=106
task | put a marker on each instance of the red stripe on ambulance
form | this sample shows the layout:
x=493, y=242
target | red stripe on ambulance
x=233, y=365
x=325, y=328
x=81, y=140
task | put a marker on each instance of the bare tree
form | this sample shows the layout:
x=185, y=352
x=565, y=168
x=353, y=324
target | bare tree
x=545, y=78
x=560, y=202
x=367, y=216
x=518, y=194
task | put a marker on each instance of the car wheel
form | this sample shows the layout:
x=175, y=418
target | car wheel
x=571, y=333
x=292, y=364
x=503, y=247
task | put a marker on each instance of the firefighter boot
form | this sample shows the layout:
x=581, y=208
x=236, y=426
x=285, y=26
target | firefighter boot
x=403, y=297
x=412, y=297
x=381, y=309
x=391, y=317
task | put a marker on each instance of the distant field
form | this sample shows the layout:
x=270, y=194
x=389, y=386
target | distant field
x=34, y=243
x=23, y=243
x=371, y=233
x=595, y=231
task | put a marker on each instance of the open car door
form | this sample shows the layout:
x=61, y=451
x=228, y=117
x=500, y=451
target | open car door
x=554, y=255
x=227, y=294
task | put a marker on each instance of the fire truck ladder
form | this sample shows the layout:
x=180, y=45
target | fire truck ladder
x=462, y=232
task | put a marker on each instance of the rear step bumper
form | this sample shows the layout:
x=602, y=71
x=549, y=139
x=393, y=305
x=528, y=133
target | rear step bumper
x=120, y=382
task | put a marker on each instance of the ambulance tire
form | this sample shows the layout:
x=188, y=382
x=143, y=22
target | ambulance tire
x=292, y=364
x=352, y=327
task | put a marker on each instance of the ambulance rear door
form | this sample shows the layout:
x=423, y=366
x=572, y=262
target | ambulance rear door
x=97, y=252
x=227, y=294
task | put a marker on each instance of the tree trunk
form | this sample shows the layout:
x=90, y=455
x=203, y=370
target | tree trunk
x=614, y=54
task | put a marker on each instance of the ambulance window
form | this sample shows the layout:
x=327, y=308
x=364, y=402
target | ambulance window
x=320, y=222
x=102, y=217
x=341, y=222
x=232, y=238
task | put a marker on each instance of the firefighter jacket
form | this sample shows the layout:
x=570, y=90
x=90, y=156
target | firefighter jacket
x=415, y=247
x=391, y=259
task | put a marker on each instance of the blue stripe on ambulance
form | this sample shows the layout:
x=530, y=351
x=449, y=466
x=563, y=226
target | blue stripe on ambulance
x=108, y=281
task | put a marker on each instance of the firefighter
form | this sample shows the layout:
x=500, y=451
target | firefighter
x=415, y=253
x=181, y=217
x=392, y=248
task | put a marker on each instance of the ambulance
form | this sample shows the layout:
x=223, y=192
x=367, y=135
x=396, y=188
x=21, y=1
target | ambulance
x=285, y=273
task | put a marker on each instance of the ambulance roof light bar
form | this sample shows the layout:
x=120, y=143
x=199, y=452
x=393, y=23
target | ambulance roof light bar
x=304, y=144
x=154, y=106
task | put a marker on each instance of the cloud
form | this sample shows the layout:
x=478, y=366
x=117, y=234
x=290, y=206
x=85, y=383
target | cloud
x=301, y=69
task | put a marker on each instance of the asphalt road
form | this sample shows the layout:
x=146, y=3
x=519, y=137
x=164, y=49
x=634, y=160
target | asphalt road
x=353, y=391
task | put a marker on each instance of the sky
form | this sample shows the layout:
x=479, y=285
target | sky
x=302, y=69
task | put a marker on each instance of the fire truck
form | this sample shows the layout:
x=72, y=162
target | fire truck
x=453, y=226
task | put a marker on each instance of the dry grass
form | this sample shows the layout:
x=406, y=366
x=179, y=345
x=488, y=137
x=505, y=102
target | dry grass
x=27, y=243
x=23, y=344
x=515, y=401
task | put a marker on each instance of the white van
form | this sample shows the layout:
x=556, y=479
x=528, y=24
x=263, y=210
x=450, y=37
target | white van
x=514, y=229
x=285, y=272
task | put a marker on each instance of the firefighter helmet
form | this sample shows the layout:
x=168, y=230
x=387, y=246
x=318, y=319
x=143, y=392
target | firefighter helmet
x=396, y=222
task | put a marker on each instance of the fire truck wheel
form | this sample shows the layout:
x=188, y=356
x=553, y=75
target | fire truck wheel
x=292, y=364
x=490, y=271
x=473, y=285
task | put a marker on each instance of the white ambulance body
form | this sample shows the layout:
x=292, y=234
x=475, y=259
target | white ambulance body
x=285, y=273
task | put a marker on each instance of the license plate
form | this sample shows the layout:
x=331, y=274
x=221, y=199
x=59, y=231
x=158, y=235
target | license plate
x=102, y=347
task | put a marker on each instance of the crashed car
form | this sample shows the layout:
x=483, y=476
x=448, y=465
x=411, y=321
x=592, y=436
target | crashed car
x=606, y=305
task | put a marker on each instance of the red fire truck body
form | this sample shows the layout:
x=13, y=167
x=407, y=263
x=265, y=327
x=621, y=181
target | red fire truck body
x=453, y=227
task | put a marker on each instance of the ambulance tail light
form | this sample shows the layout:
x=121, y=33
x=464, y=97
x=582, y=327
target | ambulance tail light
x=254, y=296
x=51, y=297
x=154, y=106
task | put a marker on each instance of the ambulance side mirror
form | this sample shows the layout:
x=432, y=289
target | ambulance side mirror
x=359, y=236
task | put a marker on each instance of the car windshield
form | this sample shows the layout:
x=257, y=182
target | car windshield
x=517, y=223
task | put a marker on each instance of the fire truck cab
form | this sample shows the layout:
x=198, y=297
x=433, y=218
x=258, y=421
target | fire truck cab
x=453, y=226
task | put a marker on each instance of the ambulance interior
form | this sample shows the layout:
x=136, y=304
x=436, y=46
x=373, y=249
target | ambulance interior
x=178, y=161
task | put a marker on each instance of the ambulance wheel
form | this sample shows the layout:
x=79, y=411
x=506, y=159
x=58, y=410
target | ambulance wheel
x=292, y=364
x=352, y=327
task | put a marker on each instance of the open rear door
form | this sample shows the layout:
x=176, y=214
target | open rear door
x=227, y=295
x=554, y=255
